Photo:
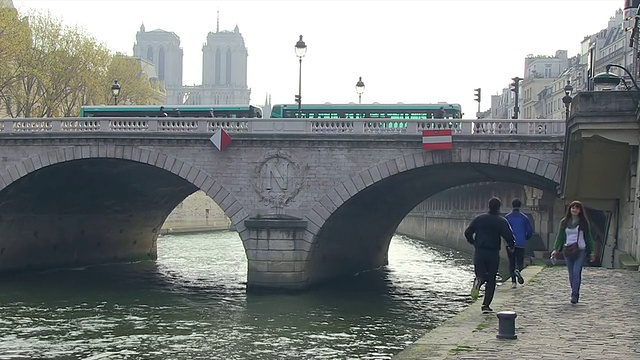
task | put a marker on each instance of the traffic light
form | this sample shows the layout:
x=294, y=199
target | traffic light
x=478, y=94
x=515, y=87
x=297, y=99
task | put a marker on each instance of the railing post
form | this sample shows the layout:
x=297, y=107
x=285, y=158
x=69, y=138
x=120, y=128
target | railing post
x=56, y=125
x=412, y=127
x=153, y=124
x=467, y=127
x=104, y=125
x=202, y=125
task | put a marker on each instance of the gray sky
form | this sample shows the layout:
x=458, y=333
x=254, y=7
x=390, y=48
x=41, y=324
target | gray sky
x=406, y=51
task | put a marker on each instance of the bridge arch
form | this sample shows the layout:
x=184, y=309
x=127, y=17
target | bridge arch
x=351, y=226
x=28, y=244
x=201, y=179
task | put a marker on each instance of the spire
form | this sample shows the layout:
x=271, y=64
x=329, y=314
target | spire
x=236, y=30
x=218, y=22
x=142, y=27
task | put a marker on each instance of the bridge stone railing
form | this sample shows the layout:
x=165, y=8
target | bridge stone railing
x=312, y=126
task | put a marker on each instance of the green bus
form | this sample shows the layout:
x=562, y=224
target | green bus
x=357, y=111
x=190, y=111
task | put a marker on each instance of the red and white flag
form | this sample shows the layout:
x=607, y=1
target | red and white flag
x=437, y=139
x=220, y=139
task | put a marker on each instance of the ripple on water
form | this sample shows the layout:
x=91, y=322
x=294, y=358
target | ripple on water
x=192, y=304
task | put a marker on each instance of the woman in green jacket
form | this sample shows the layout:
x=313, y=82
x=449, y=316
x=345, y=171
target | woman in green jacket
x=574, y=232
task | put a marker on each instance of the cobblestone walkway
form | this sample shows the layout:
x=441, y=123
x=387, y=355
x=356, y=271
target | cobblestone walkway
x=605, y=324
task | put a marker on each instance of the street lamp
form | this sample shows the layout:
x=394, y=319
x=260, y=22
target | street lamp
x=360, y=89
x=606, y=80
x=115, y=89
x=301, y=50
x=567, y=98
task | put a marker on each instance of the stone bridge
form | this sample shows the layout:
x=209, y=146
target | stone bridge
x=310, y=200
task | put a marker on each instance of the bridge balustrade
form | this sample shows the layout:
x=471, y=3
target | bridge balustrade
x=328, y=126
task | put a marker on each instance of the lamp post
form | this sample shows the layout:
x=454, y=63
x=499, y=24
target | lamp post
x=360, y=89
x=115, y=90
x=301, y=50
x=605, y=79
x=567, y=98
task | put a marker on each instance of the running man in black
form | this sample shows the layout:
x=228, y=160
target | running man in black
x=484, y=234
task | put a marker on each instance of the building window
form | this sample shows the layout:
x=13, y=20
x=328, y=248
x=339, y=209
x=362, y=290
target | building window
x=228, y=67
x=161, y=64
x=218, y=67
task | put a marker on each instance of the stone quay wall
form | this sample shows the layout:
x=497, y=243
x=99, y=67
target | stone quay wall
x=197, y=213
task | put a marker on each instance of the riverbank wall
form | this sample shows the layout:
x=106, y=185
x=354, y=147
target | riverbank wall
x=443, y=218
x=197, y=213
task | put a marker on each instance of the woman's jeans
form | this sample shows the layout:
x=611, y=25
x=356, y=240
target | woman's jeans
x=574, y=266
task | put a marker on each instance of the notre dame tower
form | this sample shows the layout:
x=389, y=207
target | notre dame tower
x=224, y=67
x=162, y=48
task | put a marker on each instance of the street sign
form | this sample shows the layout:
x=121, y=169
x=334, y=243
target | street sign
x=220, y=139
x=437, y=139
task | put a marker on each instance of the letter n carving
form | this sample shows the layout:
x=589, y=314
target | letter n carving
x=278, y=175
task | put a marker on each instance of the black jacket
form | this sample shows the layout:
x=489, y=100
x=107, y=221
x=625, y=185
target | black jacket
x=485, y=231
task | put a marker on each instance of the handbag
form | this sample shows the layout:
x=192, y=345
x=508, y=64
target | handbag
x=571, y=251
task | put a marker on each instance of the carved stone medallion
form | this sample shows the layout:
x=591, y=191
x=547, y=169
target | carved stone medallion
x=277, y=179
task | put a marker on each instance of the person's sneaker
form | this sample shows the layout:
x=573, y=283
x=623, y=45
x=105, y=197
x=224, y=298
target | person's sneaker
x=514, y=285
x=486, y=309
x=574, y=300
x=475, y=290
x=518, y=276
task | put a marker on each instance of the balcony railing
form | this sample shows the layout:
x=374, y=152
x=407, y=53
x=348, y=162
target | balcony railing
x=301, y=126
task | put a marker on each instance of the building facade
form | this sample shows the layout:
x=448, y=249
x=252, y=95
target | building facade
x=545, y=77
x=503, y=104
x=539, y=72
x=162, y=49
x=224, y=67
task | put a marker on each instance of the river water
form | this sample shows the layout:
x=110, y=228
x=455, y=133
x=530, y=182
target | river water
x=192, y=304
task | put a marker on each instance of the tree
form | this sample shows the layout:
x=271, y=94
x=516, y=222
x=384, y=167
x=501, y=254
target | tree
x=72, y=63
x=32, y=94
x=135, y=84
x=14, y=45
x=55, y=69
x=91, y=61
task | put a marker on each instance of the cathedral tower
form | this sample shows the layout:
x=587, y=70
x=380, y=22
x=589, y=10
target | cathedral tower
x=162, y=48
x=224, y=67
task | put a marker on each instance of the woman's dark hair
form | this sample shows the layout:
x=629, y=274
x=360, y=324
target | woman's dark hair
x=584, y=221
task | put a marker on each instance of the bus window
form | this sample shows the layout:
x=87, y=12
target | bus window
x=328, y=115
x=350, y=115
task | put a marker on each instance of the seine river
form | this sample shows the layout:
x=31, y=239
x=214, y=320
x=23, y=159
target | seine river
x=192, y=304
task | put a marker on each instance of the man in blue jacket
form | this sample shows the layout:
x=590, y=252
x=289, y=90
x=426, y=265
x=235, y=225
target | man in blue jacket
x=522, y=231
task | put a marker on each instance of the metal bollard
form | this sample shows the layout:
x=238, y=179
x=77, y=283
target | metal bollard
x=507, y=325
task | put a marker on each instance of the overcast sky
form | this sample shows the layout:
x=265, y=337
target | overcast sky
x=406, y=51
